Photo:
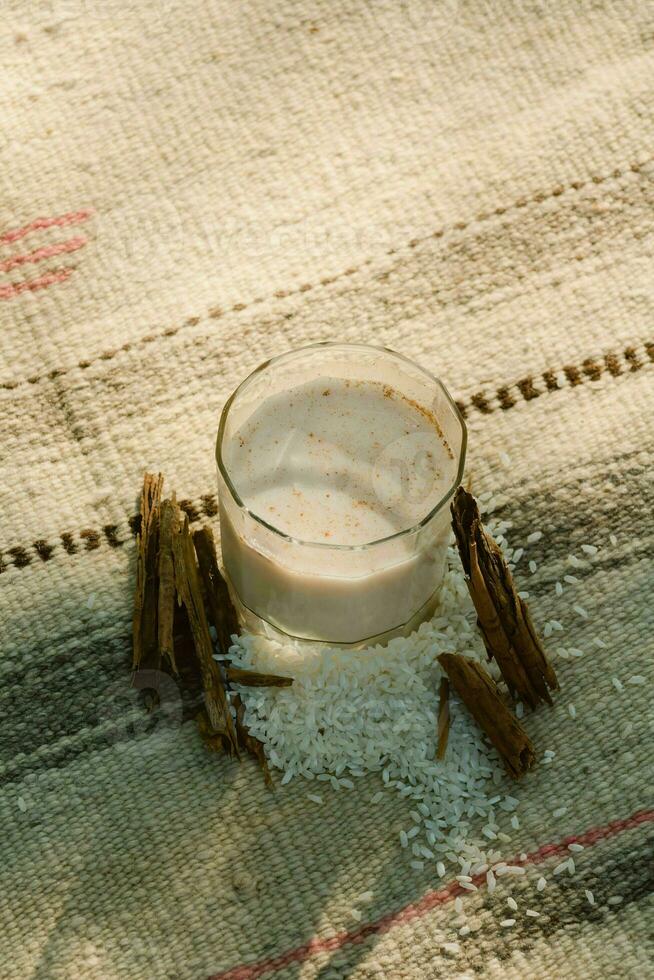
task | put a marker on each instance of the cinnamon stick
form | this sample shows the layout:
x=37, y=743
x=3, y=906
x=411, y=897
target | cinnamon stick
x=168, y=521
x=221, y=609
x=189, y=592
x=253, y=678
x=213, y=740
x=478, y=691
x=502, y=616
x=144, y=619
x=443, y=717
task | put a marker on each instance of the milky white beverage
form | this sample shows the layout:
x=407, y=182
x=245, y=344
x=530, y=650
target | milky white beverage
x=334, y=476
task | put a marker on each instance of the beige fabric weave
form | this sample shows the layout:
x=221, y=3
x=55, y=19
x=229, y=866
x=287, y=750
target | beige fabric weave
x=187, y=187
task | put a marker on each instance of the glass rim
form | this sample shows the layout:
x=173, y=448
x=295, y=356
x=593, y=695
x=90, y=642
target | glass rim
x=405, y=532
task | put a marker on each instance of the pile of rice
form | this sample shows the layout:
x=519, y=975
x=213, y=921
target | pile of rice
x=349, y=713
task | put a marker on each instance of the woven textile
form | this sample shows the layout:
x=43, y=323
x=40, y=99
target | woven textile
x=187, y=187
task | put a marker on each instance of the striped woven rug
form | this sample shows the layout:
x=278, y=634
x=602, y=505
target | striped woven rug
x=187, y=188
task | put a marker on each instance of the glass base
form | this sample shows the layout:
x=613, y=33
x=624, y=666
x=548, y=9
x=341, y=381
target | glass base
x=251, y=622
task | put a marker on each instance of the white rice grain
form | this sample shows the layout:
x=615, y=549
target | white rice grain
x=615, y=900
x=613, y=539
x=558, y=588
x=580, y=611
x=532, y=566
x=617, y=684
x=314, y=797
x=589, y=549
x=570, y=579
x=590, y=897
x=513, y=905
x=534, y=537
x=636, y=679
x=507, y=923
x=541, y=884
x=532, y=913
x=576, y=848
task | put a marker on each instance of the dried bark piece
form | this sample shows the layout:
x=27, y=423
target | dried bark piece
x=221, y=609
x=250, y=743
x=189, y=592
x=443, y=717
x=144, y=620
x=168, y=523
x=252, y=678
x=213, y=740
x=478, y=691
x=502, y=616
x=189, y=678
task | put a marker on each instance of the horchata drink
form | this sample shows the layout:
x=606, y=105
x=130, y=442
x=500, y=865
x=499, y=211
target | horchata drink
x=336, y=464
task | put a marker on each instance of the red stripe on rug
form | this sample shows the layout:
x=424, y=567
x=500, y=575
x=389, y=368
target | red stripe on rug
x=431, y=900
x=30, y=285
x=47, y=252
x=60, y=221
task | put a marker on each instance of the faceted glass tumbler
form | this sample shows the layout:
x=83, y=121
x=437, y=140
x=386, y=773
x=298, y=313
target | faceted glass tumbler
x=337, y=593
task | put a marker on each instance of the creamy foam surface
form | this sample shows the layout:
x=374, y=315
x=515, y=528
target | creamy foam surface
x=340, y=462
